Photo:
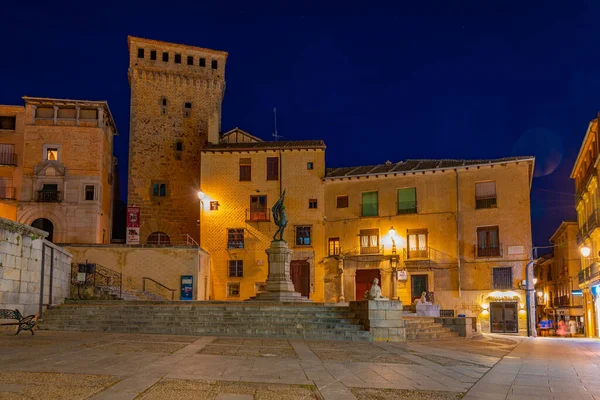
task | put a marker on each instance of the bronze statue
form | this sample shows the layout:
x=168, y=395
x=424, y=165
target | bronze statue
x=279, y=217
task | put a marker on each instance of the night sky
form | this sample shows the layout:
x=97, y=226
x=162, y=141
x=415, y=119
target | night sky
x=476, y=80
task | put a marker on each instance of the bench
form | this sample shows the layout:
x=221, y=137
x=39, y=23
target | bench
x=25, y=323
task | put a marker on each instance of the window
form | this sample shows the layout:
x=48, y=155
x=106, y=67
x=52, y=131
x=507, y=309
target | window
x=303, y=236
x=66, y=113
x=236, y=268
x=163, y=101
x=407, y=201
x=334, y=246
x=342, y=202
x=485, y=195
x=44, y=112
x=158, y=238
x=235, y=238
x=177, y=58
x=214, y=64
x=502, y=278
x=190, y=60
x=153, y=54
x=165, y=56
x=369, y=241
x=214, y=205
x=179, y=145
x=272, y=168
x=140, y=53
x=159, y=189
x=49, y=193
x=202, y=62
x=8, y=123
x=188, y=105
x=89, y=192
x=86, y=113
x=245, y=169
x=233, y=289
x=187, y=109
x=417, y=243
x=309, y=165
x=370, y=208
x=488, y=244
x=163, y=105
x=7, y=154
x=7, y=191
x=52, y=154
x=312, y=203
x=258, y=208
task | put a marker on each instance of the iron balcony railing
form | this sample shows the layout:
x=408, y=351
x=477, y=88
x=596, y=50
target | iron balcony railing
x=407, y=207
x=49, y=197
x=258, y=215
x=419, y=254
x=589, y=273
x=582, y=184
x=371, y=250
x=561, y=301
x=8, y=159
x=488, y=251
x=7, y=193
x=485, y=201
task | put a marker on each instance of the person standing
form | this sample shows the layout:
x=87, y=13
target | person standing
x=572, y=327
x=562, y=327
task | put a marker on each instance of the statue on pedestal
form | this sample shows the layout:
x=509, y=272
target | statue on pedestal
x=375, y=292
x=279, y=217
x=423, y=299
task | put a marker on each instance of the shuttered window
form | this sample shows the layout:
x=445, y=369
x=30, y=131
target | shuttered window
x=485, y=195
x=369, y=241
x=488, y=244
x=245, y=169
x=417, y=243
x=407, y=201
x=272, y=168
x=370, y=206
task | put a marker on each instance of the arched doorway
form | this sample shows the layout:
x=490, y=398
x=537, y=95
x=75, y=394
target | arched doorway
x=45, y=225
x=158, y=238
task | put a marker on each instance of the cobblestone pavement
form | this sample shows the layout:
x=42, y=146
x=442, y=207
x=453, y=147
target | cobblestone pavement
x=74, y=365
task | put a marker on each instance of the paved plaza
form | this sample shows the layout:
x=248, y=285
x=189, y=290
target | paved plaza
x=73, y=365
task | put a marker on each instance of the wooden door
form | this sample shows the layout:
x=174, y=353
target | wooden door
x=300, y=274
x=504, y=318
x=364, y=280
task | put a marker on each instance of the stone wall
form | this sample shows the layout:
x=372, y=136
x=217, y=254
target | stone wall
x=383, y=319
x=163, y=264
x=21, y=250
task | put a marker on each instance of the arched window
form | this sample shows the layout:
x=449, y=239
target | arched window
x=158, y=238
x=45, y=225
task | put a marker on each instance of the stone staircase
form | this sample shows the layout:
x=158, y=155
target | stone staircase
x=426, y=328
x=283, y=320
x=113, y=293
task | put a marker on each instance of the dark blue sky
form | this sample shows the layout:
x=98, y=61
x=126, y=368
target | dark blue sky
x=479, y=79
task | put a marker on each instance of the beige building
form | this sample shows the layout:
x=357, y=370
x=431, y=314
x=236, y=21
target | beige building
x=61, y=173
x=176, y=97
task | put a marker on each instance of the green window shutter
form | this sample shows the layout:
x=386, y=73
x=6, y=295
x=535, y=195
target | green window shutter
x=407, y=200
x=369, y=204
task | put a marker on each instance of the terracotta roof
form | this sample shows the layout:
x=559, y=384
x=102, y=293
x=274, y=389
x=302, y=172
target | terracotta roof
x=414, y=165
x=295, y=144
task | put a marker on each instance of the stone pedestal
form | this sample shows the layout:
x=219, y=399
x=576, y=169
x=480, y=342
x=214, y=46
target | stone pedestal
x=428, y=310
x=279, y=285
x=383, y=319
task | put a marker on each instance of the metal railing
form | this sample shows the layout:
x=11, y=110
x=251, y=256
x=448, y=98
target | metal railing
x=485, y=202
x=589, y=273
x=159, y=285
x=371, y=250
x=258, y=215
x=101, y=278
x=8, y=159
x=162, y=239
x=49, y=197
x=561, y=301
x=421, y=254
x=7, y=193
x=488, y=251
x=407, y=207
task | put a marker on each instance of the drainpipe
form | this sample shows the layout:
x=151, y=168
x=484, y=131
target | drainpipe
x=458, y=233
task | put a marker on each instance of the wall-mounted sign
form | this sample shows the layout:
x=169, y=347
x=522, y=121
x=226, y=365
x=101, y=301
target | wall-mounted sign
x=187, y=287
x=502, y=298
x=512, y=250
x=133, y=225
x=402, y=275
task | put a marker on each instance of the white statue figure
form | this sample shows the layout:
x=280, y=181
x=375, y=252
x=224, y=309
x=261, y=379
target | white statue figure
x=375, y=292
x=423, y=299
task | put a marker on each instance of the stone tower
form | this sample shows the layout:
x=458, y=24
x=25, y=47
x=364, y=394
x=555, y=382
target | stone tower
x=176, y=98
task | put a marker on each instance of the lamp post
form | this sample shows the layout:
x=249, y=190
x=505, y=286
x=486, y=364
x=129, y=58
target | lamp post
x=201, y=196
x=394, y=264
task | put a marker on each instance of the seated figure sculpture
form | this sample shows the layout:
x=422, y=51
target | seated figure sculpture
x=423, y=299
x=375, y=292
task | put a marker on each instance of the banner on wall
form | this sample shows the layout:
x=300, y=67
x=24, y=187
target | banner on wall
x=133, y=225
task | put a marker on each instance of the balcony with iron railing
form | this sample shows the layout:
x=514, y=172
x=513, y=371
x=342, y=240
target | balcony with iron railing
x=581, y=185
x=416, y=254
x=488, y=251
x=258, y=215
x=589, y=274
x=49, y=197
x=561, y=301
x=8, y=159
x=7, y=193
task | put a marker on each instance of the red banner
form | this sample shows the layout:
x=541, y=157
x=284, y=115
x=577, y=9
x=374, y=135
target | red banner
x=133, y=225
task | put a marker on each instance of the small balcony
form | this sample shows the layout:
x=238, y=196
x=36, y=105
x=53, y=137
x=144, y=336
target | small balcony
x=416, y=254
x=49, y=197
x=8, y=159
x=7, y=193
x=561, y=301
x=589, y=274
x=488, y=251
x=371, y=250
x=258, y=215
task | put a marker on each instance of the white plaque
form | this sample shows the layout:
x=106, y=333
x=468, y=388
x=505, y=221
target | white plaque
x=515, y=250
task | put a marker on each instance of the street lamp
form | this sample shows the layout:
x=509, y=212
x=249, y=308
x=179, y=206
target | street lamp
x=585, y=251
x=392, y=233
x=201, y=196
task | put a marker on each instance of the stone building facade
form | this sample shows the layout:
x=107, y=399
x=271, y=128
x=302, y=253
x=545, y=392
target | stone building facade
x=62, y=154
x=12, y=128
x=176, y=98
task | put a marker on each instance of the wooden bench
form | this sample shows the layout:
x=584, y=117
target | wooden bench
x=25, y=323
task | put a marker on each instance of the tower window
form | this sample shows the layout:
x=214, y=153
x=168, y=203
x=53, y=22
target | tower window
x=177, y=58
x=153, y=55
x=163, y=105
x=89, y=192
x=309, y=165
x=165, y=56
x=312, y=203
x=164, y=101
x=188, y=106
x=190, y=60
x=187, y=109
x=202, y=62
x=214, y=64
x=140, y=53
x=159, y=189
x=179, y=145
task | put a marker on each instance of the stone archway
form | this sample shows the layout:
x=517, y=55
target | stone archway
x=45, y=224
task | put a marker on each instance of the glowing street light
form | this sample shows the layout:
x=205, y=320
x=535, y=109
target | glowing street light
x=585, y=251
x=201, y=195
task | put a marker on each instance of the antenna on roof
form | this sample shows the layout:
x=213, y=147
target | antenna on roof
x=275, y=135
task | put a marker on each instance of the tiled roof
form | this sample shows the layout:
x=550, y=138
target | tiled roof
x=296, y=144
x=413, y=165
